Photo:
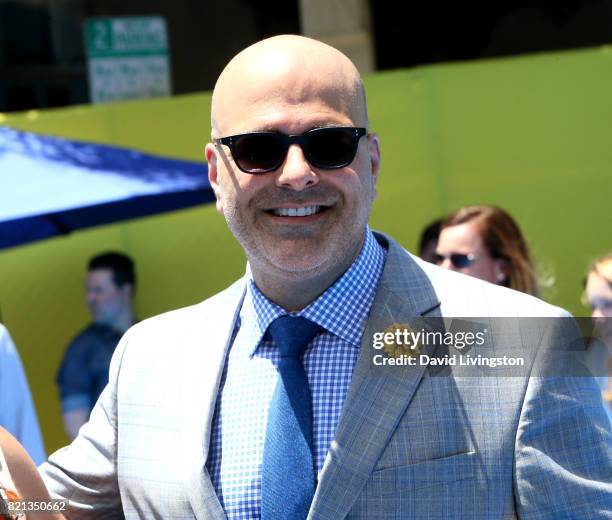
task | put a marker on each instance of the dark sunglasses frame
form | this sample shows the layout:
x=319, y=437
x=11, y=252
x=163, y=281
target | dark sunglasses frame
x=458, y=260
x=354, y=133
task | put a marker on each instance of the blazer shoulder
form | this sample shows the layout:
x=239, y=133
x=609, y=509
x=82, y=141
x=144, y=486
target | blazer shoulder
x=463, y=295
x=453, y=294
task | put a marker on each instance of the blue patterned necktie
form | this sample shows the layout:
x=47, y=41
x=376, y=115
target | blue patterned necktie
x=288, y=473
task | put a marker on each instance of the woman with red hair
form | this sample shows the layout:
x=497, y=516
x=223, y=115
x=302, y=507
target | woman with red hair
x=485, y=242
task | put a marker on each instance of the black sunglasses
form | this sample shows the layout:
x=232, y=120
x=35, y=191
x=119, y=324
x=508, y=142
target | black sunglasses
x=325, y=148
x=458, y=260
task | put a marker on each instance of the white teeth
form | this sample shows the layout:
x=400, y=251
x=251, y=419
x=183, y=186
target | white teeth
x=297, y=212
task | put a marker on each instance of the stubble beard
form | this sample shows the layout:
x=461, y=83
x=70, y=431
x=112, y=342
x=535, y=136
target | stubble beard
x=300, y=253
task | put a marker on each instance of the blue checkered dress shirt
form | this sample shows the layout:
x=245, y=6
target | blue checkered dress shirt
x=250, y=376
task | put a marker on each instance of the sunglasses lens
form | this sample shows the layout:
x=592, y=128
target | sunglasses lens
x=259, y=153
x=460, y=261
x=330, y=147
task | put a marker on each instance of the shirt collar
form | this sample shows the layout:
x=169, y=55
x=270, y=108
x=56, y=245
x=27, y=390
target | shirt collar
x=342, y=309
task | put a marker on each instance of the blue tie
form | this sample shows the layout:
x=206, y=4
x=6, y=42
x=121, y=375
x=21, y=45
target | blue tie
x=287, y=473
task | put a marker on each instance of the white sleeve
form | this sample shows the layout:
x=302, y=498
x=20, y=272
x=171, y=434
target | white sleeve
x=17, y=413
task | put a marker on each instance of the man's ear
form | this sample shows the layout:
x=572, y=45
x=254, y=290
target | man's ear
x=128, y=291
x=374, y=152
x=213, y=174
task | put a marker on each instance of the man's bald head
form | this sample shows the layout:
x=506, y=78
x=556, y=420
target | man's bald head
x=291, y=68
x=301, y=225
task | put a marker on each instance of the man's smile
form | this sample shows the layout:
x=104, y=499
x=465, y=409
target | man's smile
x=296, y=212
x=302, y=212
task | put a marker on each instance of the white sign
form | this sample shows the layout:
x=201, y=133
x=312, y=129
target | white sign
x=127, y=58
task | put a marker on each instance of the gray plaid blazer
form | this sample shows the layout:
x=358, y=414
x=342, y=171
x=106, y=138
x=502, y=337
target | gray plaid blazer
x=408, y=445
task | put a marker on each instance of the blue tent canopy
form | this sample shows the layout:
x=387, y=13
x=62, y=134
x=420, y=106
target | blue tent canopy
x=51, y=186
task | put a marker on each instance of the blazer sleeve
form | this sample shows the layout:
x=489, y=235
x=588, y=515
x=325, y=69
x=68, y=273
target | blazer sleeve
x=85, y=472
x=563, y=450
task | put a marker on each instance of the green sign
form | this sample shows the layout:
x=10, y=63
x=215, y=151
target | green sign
x=127, y=58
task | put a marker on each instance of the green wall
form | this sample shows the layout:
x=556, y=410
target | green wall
x=531, y=134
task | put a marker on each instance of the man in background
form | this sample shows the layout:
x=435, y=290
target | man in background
x=84, y=371
x=17, y=413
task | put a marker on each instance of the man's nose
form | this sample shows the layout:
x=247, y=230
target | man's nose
x=447, y=264
x=296, y=173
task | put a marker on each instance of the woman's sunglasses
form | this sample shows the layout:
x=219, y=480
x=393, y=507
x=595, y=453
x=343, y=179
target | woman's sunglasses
x=458, y=260
x=325, y=148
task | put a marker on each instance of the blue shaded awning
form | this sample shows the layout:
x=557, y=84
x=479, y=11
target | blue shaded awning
x=52, y=186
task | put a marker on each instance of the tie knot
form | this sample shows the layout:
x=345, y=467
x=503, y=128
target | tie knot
x=292, y=334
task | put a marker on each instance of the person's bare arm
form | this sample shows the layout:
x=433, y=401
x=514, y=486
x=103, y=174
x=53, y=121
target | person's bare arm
x=29, y=486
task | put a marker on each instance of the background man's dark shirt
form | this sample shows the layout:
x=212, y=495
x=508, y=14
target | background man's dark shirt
x=83, y=373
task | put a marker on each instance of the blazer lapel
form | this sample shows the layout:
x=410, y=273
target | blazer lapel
x=378, y=395
x=209, y=340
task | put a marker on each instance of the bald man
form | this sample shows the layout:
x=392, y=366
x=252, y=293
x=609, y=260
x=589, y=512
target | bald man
x=273, y=399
